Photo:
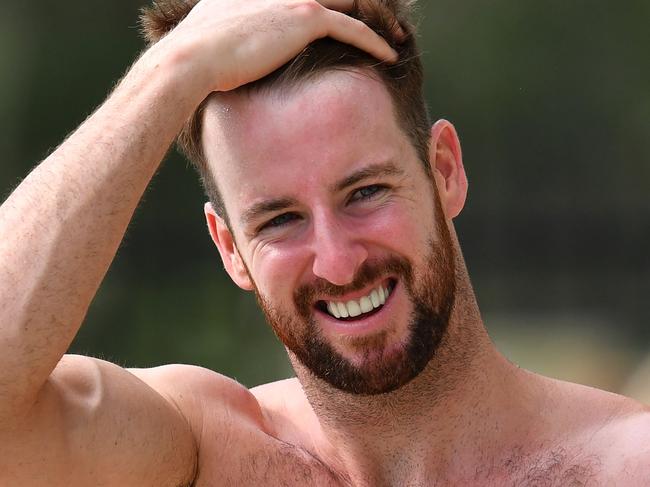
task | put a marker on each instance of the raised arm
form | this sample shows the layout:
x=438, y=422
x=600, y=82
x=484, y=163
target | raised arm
x=62, y=226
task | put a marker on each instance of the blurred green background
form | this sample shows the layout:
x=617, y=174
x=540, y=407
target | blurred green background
x=552, y=103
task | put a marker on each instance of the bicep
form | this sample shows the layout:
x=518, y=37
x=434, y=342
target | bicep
x=98, y=424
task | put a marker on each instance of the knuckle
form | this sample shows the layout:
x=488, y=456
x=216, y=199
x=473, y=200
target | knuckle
x=359, y=28
x=307, y=9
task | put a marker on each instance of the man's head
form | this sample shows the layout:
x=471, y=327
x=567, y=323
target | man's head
x=403, y=79
x=334, y=198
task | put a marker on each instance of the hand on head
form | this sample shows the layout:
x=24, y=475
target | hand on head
x=225, y=44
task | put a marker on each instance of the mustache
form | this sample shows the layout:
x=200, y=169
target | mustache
x=369, y=272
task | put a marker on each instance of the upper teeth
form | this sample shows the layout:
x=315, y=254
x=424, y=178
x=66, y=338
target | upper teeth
x=354, y=307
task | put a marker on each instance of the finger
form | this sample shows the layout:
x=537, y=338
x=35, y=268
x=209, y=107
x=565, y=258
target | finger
x=344, y=28
x=397, y=31
x=394, y=26
x=364, y=6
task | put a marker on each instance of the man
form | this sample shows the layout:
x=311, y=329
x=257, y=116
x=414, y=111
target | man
x=327, y=200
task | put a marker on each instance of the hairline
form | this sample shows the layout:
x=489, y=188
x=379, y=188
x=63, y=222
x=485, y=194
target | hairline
x=287, y=88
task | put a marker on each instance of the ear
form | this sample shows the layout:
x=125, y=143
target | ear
x=225, y=242
x=446, y=161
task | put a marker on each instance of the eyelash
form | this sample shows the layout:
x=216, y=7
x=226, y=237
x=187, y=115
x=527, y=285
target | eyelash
x=273, y=221
x=377, y=189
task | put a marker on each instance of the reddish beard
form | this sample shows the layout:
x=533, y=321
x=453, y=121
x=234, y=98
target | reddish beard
x=383, y=369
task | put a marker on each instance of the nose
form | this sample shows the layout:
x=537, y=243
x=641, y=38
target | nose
x=337, y=253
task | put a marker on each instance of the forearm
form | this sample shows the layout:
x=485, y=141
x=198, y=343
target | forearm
x=62, y=226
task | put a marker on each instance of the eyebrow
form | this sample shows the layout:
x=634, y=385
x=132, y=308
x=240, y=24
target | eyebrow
x=384, y=169
x=255, y=211
x=266, y=206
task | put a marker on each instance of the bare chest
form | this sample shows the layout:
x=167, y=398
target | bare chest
x=247, y=456
x=275, y=464
x=559, y=467
x=288, y=466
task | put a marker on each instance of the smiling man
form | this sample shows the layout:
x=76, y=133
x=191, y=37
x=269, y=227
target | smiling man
x=351, y=260
x=331, y=198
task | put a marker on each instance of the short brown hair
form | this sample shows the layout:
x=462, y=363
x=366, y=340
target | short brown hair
x=404, y=79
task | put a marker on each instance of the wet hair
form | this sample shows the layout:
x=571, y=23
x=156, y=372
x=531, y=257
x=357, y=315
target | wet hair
x=403, y=80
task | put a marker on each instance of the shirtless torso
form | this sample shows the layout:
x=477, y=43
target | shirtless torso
x=465, y=417
x=581, y=450
x=598, y=439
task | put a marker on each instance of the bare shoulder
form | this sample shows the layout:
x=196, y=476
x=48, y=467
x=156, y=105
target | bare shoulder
x=278, y=393
x=93, y=416
x=245, y=437
x=203, y=395
x=286, y=409
x=611, y=429
x=623, y=442
x=216, y=407
x=193, y=389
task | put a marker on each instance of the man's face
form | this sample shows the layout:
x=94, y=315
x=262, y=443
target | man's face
x=338, y=226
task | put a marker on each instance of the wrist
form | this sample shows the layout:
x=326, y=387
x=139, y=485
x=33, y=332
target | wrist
x=174, y=66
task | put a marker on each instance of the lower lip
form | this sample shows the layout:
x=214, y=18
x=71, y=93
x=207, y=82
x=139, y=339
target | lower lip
x=363, y=325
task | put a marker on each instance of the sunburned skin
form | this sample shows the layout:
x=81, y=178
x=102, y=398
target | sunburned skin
x=327, y=200
x=584, y=461
x=576, y=450
x=430, y=431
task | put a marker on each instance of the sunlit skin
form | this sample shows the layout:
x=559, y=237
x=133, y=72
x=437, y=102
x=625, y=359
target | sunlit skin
x=351, y=187
x=305, y=143
x=326, y=199
x=295, y=149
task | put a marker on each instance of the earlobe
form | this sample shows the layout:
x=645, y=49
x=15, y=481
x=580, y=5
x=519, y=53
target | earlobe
x=446, y=161
x=223, y=239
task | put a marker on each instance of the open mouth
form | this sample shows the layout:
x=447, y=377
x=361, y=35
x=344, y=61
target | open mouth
x=363, y=307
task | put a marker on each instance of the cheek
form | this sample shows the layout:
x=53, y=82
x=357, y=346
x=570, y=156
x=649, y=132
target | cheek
x=399, y=227
x=276, y=271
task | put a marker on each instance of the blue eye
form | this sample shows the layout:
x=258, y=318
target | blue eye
x=280, y=220
x=367, y=192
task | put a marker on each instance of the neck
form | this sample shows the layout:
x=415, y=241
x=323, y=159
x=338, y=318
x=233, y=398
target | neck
x=433, y=424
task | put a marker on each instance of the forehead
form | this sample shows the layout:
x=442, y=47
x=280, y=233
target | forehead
x=267, y=143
